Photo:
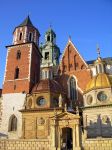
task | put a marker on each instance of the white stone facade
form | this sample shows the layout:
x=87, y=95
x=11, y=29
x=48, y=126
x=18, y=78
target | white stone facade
x=11, y=104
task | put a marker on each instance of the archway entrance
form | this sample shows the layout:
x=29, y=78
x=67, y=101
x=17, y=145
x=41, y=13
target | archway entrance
x=66, y=139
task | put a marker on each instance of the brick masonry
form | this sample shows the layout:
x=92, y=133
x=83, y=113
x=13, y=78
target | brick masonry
x=44, y=144
x=72, y=64
x=41, y=144
x=97, y=144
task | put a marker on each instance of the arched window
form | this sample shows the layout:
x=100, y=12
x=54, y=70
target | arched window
x=73, y=91
x=20, y=36
x=16, y=76
x=18, y=55
x=13, y=123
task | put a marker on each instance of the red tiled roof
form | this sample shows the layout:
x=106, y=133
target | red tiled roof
x=47, y=85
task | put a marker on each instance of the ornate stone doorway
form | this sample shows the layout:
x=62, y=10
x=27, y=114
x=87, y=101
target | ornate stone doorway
x=67, y=139
x=65, y=132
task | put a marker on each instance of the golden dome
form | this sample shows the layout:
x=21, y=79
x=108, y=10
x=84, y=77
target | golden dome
x=101, y=80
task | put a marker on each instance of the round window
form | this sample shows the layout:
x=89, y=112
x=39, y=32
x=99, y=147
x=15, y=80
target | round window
x=89, y=99
x=102, y=96
x=41, y=102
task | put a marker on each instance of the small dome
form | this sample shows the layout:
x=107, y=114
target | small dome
x=99, y=60
x=47, y=85
x=101, y=80
x=51, y=31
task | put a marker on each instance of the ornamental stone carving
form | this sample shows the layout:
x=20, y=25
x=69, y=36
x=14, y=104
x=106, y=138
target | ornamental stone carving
x=41, y=121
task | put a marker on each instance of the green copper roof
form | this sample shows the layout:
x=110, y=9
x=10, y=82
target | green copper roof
x=26, y=22
x=51, y=31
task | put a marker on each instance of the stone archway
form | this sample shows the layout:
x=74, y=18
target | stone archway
x=67, y=139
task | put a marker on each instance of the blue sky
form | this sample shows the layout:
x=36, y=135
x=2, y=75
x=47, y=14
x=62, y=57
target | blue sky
x=88, y=22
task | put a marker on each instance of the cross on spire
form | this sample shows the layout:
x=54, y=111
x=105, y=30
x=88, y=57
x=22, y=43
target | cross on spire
x=98, y=51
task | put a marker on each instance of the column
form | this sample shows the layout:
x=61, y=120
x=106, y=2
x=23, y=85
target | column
x=53, y=135
x=23, y=128
x=36, y=128
x=74, y=137
x=77, y=135
x=59, y=137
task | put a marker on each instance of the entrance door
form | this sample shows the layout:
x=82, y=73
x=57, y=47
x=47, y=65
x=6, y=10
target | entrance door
x=66, y=139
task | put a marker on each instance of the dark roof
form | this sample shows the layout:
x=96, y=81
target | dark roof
x=108, y=60
x=26, y=22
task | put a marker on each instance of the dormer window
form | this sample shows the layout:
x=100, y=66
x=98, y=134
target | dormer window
x=48, y=38
x=20, y=36
x=18, y=55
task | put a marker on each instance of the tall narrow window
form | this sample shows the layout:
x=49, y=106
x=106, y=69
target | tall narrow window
x=75, y=64
x=20, y=36
x=46, y=75
x=73, y=91
x=100, y=68
x=13, y=123
x=18, y=55
x=48, y=38
x=46, y=55
x=30, y=36
x=16, y=76
x=43, y=76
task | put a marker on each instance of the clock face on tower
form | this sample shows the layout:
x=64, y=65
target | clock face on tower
x=102, y=96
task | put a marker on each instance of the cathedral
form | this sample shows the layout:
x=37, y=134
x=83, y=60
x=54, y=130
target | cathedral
x=53, y=103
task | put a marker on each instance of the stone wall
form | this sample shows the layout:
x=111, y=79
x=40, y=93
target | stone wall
x=33, y=144
x=45, y=144
x=97, y=144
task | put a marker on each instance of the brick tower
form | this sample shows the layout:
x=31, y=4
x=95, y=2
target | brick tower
x=22, y=59
x=21, y=73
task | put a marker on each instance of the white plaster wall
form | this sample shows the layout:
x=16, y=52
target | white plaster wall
x=11, y=104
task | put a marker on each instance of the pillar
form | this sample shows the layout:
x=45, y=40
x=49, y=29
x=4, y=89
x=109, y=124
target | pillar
x=74, y=138
x=54, y=136
x=77, y=135
x=59, y=138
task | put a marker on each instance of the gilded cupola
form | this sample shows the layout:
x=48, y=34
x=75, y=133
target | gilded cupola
x=101, y=80
x=98, y=90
